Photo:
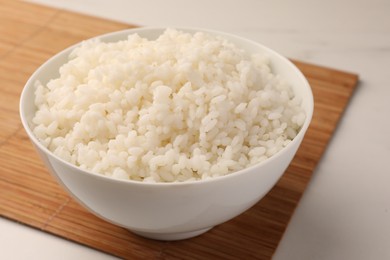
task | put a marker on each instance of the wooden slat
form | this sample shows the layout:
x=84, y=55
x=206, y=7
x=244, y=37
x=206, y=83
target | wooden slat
x=30, y=34
x=18, y=23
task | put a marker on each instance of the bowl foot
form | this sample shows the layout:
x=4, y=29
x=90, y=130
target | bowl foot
x=172, y=236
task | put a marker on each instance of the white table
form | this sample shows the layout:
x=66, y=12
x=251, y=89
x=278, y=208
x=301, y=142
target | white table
x=345, y=211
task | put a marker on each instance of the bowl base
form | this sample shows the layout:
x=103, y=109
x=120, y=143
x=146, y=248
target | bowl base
x=171, y=236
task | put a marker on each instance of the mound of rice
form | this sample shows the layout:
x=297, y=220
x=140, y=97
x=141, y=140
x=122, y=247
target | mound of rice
x=179, y=108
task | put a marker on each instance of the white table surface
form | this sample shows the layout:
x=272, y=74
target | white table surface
x=345, y=211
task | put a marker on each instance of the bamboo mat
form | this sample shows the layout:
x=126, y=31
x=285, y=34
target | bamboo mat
x=29, y=35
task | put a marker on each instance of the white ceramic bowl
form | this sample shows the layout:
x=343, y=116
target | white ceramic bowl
x=169, y=211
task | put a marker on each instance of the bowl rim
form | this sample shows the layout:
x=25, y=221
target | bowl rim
x=123, y=33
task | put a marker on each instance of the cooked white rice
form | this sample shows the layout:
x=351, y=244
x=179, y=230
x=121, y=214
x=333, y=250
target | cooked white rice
x=179, y=108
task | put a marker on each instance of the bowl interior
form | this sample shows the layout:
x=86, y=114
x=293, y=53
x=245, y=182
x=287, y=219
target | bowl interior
x=279, y=64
